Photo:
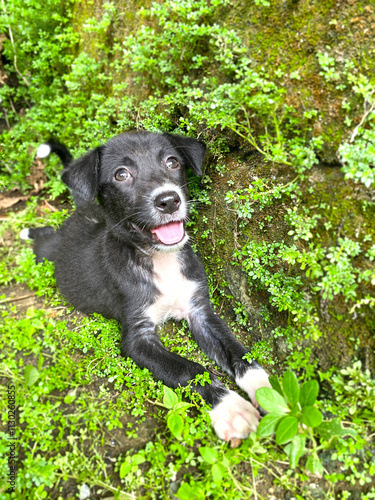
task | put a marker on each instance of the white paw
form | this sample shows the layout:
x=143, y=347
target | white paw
x=234, y=417
x=251, y=381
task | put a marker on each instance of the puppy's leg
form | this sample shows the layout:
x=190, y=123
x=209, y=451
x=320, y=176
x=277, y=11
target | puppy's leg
x=142, y=344
x=144, y=347
x=218, y=342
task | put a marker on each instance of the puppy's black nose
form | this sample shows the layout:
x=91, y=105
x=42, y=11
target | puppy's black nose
x=167, y=202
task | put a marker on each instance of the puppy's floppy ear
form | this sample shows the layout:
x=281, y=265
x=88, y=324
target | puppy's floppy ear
x=191, y=150
x=82, y=176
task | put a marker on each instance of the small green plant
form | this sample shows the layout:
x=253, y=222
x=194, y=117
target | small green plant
x=296, y=421
x=358, y=154
x=175, y=421
x=356, y=386
x=263, y=265
x=339, y=273
x=358, y=157
x=328, y=65
x=302, y=224
x=259, y=192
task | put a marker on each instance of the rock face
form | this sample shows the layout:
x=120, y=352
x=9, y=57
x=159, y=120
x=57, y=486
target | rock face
x=346, y=330
x=287, y=38
x=308, y=72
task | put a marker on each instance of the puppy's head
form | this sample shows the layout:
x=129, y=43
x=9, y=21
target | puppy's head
x=140, y=181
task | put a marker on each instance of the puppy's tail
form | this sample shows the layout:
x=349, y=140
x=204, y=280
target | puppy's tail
x=35, y=233
x=58, y=148
x=66, y=158
x=45, y=241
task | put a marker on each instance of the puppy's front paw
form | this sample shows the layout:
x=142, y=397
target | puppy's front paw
x=251, y=381
x=234, y=417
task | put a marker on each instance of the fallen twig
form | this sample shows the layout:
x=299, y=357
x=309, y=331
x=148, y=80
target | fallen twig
x=14, y=299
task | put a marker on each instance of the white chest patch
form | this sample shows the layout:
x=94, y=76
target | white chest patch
x=176, y=291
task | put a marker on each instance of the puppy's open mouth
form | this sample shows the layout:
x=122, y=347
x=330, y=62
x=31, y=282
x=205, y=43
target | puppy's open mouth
x=167, y=234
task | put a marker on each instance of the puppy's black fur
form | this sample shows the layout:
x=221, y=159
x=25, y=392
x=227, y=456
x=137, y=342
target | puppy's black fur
x=124, y=253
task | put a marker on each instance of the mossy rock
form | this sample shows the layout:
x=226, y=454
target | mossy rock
x=347, y=333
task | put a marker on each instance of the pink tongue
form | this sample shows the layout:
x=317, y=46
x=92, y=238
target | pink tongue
x=170, y=233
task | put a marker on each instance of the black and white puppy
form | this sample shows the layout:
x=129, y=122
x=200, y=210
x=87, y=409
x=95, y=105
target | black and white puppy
x=124, y=253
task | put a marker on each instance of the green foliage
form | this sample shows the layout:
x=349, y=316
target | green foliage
x=303, y=224
x=41, y=362
x=340, y=275
x=40, y=37
x=358, y=157
x=356, y=386
x=327, y=64
x=296, y=421
x=330, y=271
x=62, y=95
x=31, y=375
x=39, y=276
x=175, y=421
x=358, y=154
x=259, y=192
x=180, y=44
x=263, y=263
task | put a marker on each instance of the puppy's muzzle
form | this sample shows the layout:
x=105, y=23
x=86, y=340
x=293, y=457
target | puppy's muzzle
x=167, y=202
x=169, y=210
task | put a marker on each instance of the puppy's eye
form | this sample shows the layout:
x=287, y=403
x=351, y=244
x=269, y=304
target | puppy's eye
x=172, y=163
x=122, y=174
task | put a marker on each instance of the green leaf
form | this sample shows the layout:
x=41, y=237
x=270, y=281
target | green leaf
x=170, y=397
x=175, y=424
x=182, y=406
x=125, y=469
x=295, y=449
x=217, y=472
x=267, y=425
x=138, y=458
x=291, y=388
x=274, y=381
x=37, y=324
x=131, y=464
x=40, y=361
x=311, y=416
x=333, y=429
x=271, y=400
x=31, y=375
x=308, y=393
x=187, y=492
x=314, y=465
x=286, y=430
x=209, y=455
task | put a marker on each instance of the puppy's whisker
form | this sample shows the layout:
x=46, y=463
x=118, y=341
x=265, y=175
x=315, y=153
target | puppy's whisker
x=115, y=225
